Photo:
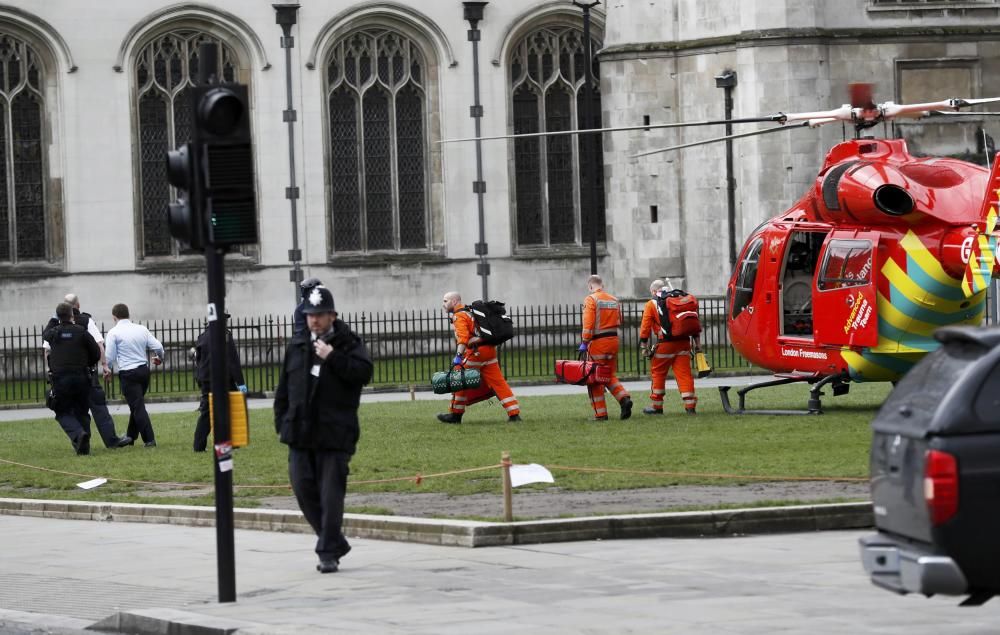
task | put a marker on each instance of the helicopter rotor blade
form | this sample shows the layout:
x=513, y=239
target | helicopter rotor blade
x=804, y=124
x=870, y=112
x=652, y=126
x=891, y=110
x=949, y=113
x=843, y=113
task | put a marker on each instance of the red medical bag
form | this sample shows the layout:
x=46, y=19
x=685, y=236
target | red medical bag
x=581, y=372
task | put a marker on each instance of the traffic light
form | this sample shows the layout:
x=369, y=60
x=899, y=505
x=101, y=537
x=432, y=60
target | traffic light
x=225, y=163
x=216, y=203
x=184, y=217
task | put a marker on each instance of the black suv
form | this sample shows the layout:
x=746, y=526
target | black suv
x=935, y=473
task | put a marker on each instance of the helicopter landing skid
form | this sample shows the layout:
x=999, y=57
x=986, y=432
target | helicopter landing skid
x=814, y=406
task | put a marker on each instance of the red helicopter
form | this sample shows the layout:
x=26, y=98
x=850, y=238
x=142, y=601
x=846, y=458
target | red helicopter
x=849, y=284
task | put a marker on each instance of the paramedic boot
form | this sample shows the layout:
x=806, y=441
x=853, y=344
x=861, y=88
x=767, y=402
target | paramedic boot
x=626, y=408
x=652, y=411
x=449, y=417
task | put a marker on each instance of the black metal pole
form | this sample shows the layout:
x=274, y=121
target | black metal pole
x=474, y=13
x=587, y=144
x=219, y=373
x=727, y=81
x=225, y=546
x=286, y=15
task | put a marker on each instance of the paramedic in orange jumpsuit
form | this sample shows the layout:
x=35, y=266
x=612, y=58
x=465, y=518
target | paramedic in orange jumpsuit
x=666, y=354
x=601, y=318
x=482, y=357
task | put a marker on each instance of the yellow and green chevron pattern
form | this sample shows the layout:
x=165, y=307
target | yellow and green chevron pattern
x=915, y=297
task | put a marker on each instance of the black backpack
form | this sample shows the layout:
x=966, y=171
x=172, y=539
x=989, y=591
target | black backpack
x=493, y=325
x=678, y=311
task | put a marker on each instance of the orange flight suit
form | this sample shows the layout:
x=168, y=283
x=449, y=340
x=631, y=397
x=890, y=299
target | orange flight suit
x=484, y=359
x=602, y=316
x=668, y=354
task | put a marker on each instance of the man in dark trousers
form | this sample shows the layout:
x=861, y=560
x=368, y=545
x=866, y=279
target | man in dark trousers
x=203, y=375
x=299, y=318
x=316, y=415
x=128, y=345
x=97, y=399
x=72, y=351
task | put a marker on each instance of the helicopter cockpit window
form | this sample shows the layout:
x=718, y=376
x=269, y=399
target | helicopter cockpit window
x=743, y=291
x=848, y=263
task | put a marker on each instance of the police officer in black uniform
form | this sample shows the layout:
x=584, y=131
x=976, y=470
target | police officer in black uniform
x=72, y=352
x=203, y=377
x=316, y=416
x=299, y=318
x=96, y=399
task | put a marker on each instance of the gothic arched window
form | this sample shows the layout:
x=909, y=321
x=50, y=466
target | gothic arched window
x=550, y=173
x=165, y=70
x=377, y=110
x=23, y=205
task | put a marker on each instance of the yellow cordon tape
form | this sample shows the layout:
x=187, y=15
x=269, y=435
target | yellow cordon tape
x=709, y=474
x=418, y=478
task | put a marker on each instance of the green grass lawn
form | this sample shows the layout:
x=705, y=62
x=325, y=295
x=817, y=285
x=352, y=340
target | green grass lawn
x=403, y=438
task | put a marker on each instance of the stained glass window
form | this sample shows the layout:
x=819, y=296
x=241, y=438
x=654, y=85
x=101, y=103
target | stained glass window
x=23, y=234
x=165, y=69
x=552, y=174
x=376, y=105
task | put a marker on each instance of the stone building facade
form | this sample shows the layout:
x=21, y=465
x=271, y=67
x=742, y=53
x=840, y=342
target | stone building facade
x=667, y=213
x=92, y=95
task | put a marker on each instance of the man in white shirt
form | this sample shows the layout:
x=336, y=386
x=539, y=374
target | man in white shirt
x=97, y=400
x=127, y=346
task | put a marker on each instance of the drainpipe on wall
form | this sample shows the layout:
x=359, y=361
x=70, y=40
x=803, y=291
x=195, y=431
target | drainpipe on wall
x=286, y=15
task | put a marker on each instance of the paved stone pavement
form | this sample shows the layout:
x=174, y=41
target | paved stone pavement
x=801, y=583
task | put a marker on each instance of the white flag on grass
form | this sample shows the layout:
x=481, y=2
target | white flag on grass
x=531, y=473
x=91, y=484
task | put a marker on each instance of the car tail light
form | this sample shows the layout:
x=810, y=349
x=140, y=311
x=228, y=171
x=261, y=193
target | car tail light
x=940, y=485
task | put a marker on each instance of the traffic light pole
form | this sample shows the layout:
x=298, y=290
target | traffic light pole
x=219, y=374
x=216, y=208
x=224, y=541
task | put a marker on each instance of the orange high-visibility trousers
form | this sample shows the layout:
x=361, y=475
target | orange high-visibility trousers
x=676, y=355
x=604, y=351
x=484, y=359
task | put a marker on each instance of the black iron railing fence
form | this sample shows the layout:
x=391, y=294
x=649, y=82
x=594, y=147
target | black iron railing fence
x=407, y=346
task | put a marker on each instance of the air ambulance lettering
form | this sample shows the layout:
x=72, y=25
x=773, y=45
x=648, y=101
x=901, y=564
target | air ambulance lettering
x=861, y=313
x=804, y=354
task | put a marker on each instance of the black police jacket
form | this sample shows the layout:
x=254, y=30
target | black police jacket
x=203, y=361
x=321, y=413
x=78, y=318
x=72, y=348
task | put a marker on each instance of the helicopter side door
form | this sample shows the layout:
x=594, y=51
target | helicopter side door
x=797, y=281
x=844, y=297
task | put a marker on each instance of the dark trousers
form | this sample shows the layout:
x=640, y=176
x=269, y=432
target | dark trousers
x=135, y=383
x=203, y=427
x=72, y=392
x=102, y=418
x=319, y=480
